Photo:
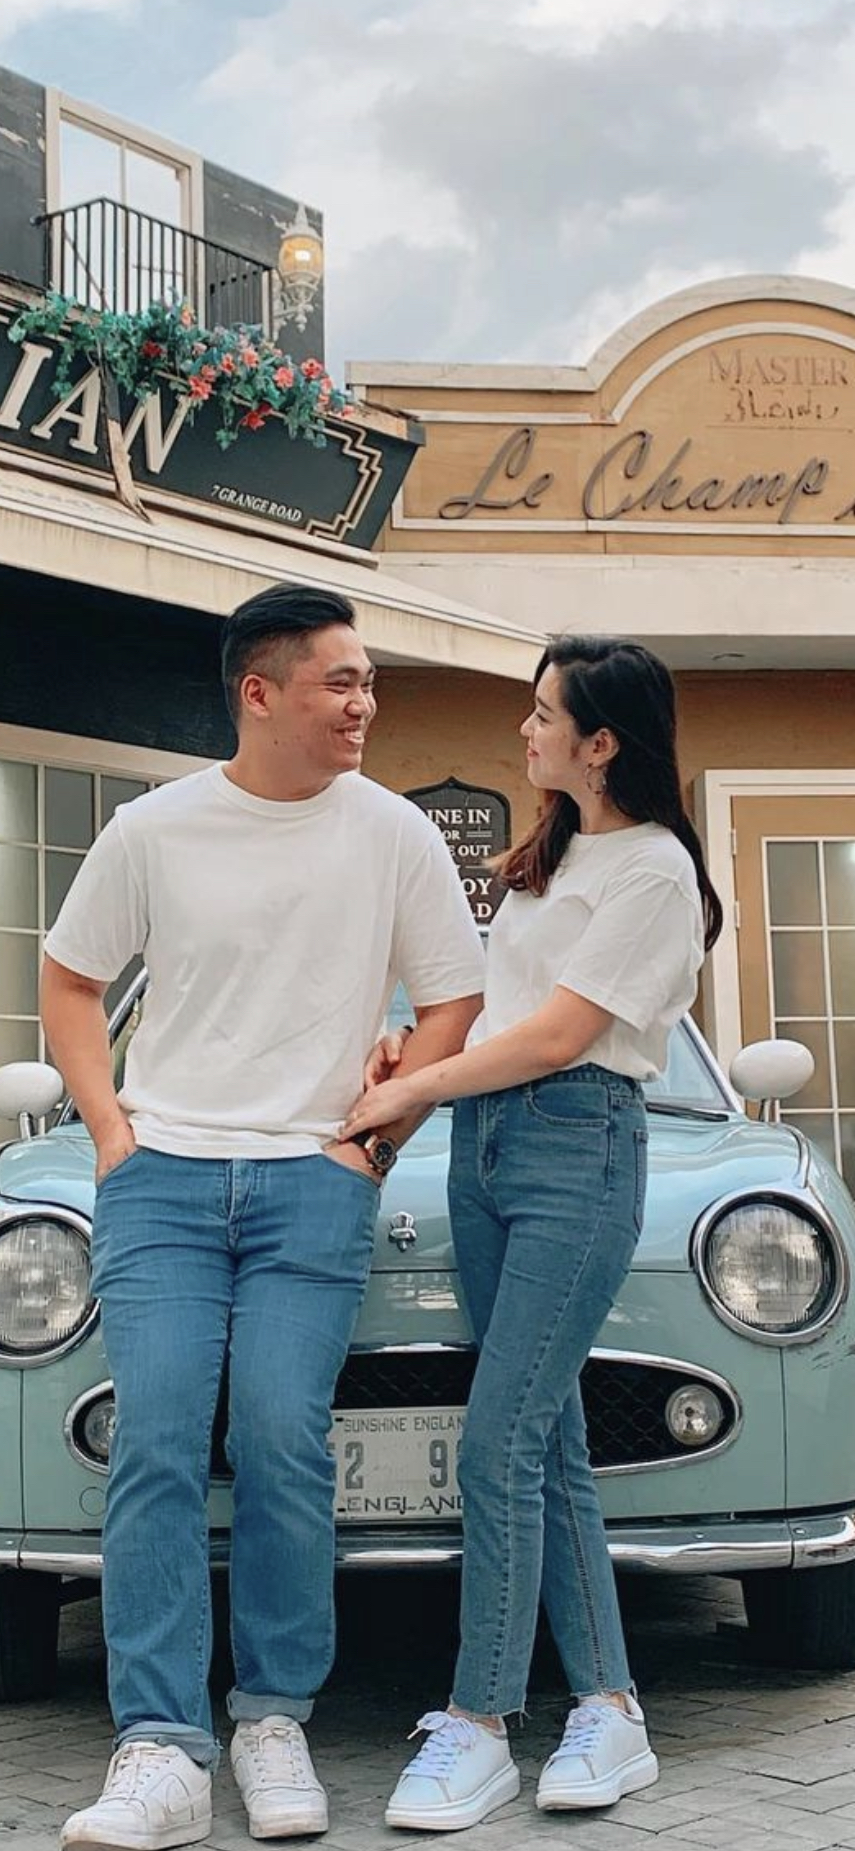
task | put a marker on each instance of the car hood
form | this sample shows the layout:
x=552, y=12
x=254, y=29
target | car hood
x=692, y=1163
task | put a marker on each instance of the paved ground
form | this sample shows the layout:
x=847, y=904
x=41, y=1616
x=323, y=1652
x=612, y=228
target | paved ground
x=750, y=1757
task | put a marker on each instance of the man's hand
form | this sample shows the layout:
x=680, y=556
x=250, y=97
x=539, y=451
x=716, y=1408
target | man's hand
x=113, y=1147
x=385, y=1057
x=352, y=1157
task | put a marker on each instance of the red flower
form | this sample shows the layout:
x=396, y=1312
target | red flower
x=227, y=364
x=199, y=387
x=208, y=372
x=283, y=376
x=312, y=369
x=151, y=350
x=249, y=356
x=257, y=417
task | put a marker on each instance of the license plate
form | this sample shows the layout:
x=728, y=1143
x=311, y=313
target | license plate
x=397, y=1464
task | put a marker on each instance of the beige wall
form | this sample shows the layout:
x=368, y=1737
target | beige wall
x=436, y=723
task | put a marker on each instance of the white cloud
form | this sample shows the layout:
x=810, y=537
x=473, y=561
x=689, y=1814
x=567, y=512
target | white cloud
x=15, y=14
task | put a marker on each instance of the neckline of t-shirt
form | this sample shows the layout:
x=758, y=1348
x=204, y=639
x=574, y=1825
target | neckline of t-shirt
x=288, y=811
x=618, y=835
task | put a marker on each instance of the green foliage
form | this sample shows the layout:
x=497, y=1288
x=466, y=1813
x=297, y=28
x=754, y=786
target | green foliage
x=246, y=378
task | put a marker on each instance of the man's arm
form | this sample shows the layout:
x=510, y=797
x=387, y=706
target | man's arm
x=76, y=1030
x=441, y=1030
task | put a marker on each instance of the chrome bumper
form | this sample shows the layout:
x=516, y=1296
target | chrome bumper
x=702, y=1549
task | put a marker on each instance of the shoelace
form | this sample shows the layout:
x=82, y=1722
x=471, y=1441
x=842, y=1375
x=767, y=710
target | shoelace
x=447, y=1737
x=583, y=1728
x=134, y=1767
x=279, y=1752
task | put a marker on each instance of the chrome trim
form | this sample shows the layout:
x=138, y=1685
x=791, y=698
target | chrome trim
x=804, y=1150
x=715, y=1548
x=702, y=1047
x=692, y=1372
x=15, y=1211
x=90, y=1395
x=805, y=1204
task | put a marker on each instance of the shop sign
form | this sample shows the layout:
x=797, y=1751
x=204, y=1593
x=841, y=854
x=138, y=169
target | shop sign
x=476, y=825
x=341, y=492
x=723, y=435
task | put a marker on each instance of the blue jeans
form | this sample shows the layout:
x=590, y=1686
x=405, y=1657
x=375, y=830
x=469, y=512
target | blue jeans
x=547, y=1195
x=193, y=1259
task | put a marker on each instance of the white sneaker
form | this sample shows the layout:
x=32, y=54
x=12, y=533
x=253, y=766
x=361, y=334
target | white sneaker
x=604, y=1754
x=460, y=1774
x=273, y=1768
x=153, y=1797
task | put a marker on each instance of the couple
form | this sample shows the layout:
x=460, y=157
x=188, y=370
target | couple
x=277, y=900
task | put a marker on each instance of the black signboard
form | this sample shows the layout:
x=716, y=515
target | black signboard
x=341, y=492
x=476, y=824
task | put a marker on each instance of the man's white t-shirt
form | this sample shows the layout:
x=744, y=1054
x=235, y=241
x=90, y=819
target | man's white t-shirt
x=274, y=935
x=620, y=924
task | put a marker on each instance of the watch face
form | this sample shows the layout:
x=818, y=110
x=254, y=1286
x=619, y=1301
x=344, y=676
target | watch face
x=382, y=1153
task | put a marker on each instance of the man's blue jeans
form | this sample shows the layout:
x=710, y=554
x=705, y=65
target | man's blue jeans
x=193, y=1259
x=547, y=1195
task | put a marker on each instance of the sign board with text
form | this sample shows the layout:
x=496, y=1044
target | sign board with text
x=476, y=825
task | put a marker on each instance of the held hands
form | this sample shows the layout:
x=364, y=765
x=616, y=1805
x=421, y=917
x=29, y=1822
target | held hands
x=384, y=1057
x=383, y=1105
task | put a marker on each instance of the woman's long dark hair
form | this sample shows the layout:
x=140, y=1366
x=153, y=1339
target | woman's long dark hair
x=620, y=685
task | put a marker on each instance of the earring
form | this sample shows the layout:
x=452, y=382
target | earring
x=596, y=790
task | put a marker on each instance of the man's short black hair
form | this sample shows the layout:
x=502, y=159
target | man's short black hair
x=284, y=614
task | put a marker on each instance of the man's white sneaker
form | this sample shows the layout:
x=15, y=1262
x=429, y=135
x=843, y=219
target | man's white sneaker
x=604, y=1754
x=460, y=1774
x=153, y=1797
x=273, y=1768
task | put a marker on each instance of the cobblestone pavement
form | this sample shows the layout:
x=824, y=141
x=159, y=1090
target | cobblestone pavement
x=750, y=1757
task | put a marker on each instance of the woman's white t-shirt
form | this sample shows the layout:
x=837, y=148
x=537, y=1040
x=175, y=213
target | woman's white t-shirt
x=620, y=924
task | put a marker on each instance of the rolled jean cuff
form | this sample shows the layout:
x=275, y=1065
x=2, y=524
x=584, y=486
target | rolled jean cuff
x=245, y=1706
x=197, y=1743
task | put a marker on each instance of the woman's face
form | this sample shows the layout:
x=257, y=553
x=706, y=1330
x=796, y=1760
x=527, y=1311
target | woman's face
x=555, y=747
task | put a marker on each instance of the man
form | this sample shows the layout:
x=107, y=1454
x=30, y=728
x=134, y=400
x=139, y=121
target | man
x=277, y=899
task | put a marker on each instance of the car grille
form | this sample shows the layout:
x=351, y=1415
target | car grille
x=624, y=1401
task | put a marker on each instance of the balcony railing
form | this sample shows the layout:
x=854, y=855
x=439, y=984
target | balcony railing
x=109, y=256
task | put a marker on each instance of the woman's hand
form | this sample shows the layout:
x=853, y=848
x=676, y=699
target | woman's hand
x=383, y=1104
x=385, y=1057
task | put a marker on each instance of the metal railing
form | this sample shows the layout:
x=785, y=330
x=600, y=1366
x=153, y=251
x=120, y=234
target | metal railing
x=109, y=256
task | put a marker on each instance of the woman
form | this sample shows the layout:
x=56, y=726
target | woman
x=592, y=959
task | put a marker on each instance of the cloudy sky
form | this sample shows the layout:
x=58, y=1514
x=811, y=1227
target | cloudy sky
x=501, y=179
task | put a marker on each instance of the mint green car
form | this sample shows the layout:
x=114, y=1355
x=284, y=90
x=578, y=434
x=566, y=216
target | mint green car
x=719, y=1396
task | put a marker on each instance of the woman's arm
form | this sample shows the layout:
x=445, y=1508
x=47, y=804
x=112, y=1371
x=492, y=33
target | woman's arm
x=555, y=1035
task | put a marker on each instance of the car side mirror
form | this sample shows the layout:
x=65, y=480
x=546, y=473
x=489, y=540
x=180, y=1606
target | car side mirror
x=771, y=1069
x=29, y=1089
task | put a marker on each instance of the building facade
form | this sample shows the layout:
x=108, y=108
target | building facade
x=693, y=487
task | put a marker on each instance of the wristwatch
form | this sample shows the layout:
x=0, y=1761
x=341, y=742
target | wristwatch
x=382, y=1154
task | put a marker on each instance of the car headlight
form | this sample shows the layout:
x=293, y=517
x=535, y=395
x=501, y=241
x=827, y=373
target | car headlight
x=45, y=1299
x=771, y=1267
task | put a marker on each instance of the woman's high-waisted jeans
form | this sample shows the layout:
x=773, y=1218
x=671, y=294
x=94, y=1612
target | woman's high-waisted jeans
x=547, y=1194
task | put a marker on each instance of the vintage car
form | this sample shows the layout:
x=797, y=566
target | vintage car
x=719, y=1397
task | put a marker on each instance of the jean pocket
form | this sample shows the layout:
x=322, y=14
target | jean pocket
x=640, y=1146
x=564, y=1103
x=119, y=1168
x=368, y=1182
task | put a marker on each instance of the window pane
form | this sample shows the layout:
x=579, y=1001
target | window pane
x=793, y=869
x=118, y=790
x=19, y=973
x=840, y=882
x=798, y=973
x=19, y=891
x=68, y=808
x=18, y=810
x=59, y=874
x=841, y=951
x=814, y=1035
x=844, y=1038
x=818, y=1126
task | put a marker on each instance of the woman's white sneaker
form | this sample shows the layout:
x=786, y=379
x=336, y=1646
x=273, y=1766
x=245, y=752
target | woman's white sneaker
x=273, y=1769
x=154, y=1797
x=460, y=1774
x=604, y=1754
